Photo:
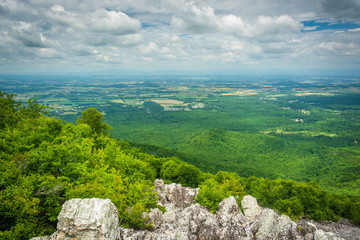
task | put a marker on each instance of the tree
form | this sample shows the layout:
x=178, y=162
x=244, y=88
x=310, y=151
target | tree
x=8, y=110
x=211, y=194
x=95, y=120
x=33, y=110
x=188, y=175
x=169, y=171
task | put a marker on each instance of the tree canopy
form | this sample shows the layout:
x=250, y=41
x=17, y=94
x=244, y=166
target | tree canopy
x=45, y=161
x=95, y=120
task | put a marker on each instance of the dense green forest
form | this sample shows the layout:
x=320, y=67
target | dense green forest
x=254, y=138
x=45, y=161
x=301, y=128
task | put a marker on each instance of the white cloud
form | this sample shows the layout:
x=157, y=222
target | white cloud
x=200, y=20
x=148, y=49
x=195, y=19
x=174, y=33
x=117, y=23
x=232, y=24
x=338, y=48
x=276, y=25
x=310, y=28
x=354, y=30
x=48, y=53
x=99, y=21
x=229, y=57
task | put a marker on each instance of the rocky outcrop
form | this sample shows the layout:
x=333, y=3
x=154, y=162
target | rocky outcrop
x=230, y=220
x=89, y=219
x=179, y=196
x=251, y=207
x=183, y=219
x=341, y=228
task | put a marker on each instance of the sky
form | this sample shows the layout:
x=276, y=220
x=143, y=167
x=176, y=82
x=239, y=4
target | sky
x=242, y=36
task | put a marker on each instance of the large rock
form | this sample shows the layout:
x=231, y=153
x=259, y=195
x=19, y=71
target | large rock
x=321, y=231
x=270, y=225
x=251, y=207
x=184, y=219
x=91, y=219
x=342, y=228
x=155, y=217
x=195, y=222
x=88, y=219
x=175, y=193
x=230, y=220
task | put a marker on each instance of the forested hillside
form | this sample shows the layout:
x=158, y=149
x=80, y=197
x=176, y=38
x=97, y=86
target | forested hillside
x=44, y=161
x=291, y=127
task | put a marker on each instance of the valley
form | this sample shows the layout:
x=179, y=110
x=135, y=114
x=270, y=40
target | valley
x=292, y=127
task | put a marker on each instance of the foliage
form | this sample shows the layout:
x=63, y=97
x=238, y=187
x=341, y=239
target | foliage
x=180, y=172
x=211, y=194
x=8, y=110
x=94, y=119
x=289, y=197
x=264, y=126
x=46, y=161
x=223, y=185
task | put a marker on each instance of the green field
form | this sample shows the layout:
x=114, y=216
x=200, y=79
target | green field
x=300, y=128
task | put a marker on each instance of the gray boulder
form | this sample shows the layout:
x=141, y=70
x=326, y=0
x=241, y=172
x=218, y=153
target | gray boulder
x=251, y=207
x=184, y=219
x=270, y=225
x=91, y=219
x=342, y=228
x=231, y=220
x=175, y=193
x=196, y=222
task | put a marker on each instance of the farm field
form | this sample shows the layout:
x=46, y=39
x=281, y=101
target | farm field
x=301, y=128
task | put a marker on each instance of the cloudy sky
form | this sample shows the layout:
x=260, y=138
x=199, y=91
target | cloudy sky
x=249, y=36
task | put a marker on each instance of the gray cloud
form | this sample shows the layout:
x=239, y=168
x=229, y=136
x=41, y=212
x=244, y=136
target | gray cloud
x=154, y=34
x=3, y=10
x=26, y=33
x=344, y=9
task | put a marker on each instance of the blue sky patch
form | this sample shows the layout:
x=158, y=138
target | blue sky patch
x=319, y=25
x=146, y=25
x=186, y=35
